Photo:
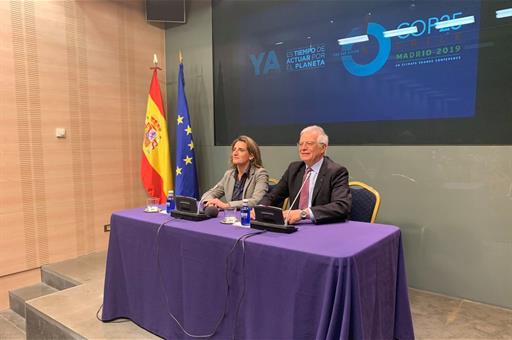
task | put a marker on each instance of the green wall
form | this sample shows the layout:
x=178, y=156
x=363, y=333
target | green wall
x=452, y=203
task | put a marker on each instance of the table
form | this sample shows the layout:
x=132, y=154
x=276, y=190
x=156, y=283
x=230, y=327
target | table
x=337, y=281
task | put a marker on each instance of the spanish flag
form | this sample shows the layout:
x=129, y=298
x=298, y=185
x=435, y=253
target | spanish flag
x=156, y=161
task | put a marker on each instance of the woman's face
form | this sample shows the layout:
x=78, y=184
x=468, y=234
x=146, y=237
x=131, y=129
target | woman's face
x=239, y=154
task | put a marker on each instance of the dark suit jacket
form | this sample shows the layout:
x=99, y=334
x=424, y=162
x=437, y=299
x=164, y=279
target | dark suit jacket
x=332, y=199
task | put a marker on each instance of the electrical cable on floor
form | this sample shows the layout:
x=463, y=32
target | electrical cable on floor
x=112, y=321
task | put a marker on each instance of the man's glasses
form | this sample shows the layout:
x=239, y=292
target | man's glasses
x=308, y=144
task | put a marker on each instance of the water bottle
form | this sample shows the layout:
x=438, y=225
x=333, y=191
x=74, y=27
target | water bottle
x=245, y=213
x=170, y=202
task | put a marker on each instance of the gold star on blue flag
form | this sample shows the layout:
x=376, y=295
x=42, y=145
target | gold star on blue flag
x=186, y=172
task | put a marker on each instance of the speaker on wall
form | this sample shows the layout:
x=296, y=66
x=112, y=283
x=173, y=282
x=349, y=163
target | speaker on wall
x=166, y=11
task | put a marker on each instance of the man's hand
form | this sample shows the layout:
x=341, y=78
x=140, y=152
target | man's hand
x=215, y=202
x=253, y=214
x=291, y=217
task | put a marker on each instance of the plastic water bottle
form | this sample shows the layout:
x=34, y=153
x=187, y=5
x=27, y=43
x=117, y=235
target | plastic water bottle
x=170, y=202
x=245, y=213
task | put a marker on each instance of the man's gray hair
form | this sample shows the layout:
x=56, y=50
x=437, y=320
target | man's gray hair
x=322, y=136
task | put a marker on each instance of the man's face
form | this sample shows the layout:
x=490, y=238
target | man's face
x=309, y=150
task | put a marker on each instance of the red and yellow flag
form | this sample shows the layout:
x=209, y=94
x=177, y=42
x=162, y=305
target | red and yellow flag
x=156, y=161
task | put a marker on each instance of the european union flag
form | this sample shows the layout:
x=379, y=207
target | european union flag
x=186, y=173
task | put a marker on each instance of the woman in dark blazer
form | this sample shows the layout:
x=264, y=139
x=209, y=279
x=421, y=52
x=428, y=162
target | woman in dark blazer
x=246, y=179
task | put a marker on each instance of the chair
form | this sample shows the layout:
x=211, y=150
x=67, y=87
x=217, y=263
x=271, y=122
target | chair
x=365, y=202
x=272, y=182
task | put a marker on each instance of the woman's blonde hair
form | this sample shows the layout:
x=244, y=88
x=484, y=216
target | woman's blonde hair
x=252, y=148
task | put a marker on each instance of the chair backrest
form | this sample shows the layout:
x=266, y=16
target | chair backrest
x=365, y=202
x=272, y=182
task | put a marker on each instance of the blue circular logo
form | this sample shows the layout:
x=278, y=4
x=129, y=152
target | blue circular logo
x=363, y=70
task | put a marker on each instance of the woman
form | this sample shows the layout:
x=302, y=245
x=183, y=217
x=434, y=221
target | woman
x=247, y=179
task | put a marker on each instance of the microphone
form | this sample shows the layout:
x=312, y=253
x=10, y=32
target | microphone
x=297, y=196
x=211, y=211
x=188, y=208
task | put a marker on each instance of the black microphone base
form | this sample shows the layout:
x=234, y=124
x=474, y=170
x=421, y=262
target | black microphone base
x=277, y=228
x=188, y=216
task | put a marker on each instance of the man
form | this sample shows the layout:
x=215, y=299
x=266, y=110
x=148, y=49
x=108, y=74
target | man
x=323, y=184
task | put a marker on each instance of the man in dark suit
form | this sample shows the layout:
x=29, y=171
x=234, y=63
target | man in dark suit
x=316, y=186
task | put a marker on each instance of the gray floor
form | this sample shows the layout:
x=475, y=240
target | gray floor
x=442, y=317
x=435, y=316
x=12, y=326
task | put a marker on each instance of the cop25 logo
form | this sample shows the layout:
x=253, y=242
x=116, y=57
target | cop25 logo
x=264, y=63
x=377, y=31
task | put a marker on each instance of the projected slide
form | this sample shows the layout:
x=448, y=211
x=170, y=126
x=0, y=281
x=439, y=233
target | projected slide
x=370, y=71
x=300, y=72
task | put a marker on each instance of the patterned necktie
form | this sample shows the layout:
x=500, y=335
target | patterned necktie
x=304, y=194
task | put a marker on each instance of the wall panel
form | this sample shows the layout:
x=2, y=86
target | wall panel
x=83, y=66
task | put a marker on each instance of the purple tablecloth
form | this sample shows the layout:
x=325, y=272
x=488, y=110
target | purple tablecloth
x=337, y=281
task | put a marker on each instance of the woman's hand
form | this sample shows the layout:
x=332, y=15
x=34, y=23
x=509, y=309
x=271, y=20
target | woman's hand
x=215, y=202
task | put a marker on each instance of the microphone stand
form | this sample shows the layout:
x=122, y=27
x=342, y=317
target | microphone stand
x=297, y=196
